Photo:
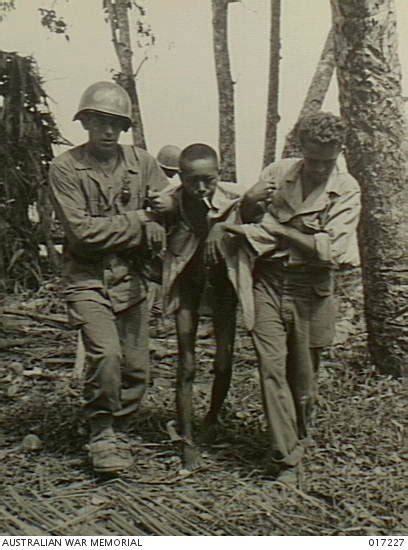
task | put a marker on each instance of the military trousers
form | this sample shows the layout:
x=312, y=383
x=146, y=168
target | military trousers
x=117, y=352
x=292, y=323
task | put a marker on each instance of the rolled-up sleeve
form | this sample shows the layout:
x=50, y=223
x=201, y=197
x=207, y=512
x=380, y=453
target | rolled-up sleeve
x=86, y=233
x=339, y=234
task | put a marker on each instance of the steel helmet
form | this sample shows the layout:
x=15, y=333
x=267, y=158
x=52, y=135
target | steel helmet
x=168, y=157
x=108, y=98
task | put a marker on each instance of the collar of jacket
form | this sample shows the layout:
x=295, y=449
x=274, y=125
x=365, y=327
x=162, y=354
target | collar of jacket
x=291, y=192
x=332, y=184
x=85, y=161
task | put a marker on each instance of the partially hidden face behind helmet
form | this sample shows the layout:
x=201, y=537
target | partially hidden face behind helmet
x=168, y=157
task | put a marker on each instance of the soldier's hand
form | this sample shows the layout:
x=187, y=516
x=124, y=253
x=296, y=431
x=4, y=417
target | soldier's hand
x=261, y=192
x=155, y=237
x=160, y=202
x=212, y=248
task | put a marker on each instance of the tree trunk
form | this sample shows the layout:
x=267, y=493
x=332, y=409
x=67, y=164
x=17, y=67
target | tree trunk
x=315, y=95
x=369, y=77
x=226, y=123
x=272, y=115
x=118, y=16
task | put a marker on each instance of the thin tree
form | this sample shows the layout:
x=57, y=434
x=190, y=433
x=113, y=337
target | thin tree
x=315, y=95
x=272, y=114
x=225, y=85
x=118, y=16
x=369, y=77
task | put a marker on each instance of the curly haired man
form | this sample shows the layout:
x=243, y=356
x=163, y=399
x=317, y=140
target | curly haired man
x=302, y=217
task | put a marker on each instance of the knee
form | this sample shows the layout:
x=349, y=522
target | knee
x=272, y=356
x=273, y=372
x=186, y=347
x=106, y=361
x=187, y=370
x=223, y=353
x=103, y=377
x=136, y=361
x=112, y=357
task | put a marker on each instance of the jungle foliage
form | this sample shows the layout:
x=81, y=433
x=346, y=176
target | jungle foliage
x=27, y=133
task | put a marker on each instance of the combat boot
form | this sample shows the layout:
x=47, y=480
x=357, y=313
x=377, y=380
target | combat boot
x=109, y=453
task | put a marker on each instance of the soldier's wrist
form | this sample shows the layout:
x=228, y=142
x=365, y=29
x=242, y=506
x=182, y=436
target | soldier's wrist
x=146, y=216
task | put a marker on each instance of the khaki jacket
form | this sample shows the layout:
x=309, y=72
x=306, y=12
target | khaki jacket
x=103, y=231
x=331, y=216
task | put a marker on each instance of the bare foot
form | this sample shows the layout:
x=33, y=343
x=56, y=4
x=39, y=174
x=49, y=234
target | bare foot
x=191, y=457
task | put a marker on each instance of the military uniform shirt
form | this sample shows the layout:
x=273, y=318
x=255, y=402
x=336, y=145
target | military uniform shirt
x=102, y=226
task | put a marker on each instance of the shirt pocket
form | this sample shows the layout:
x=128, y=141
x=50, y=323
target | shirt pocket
x=137, y=192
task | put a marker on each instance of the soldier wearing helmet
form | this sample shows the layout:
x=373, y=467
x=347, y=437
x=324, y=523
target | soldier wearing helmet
x=106, y=98
x=168, y=159
x=99, y=191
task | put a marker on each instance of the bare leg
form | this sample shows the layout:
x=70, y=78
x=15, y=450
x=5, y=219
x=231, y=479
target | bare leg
x=186, y=325
x=224, y=320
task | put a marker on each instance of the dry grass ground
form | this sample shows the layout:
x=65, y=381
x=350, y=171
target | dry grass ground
x=352, y=479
